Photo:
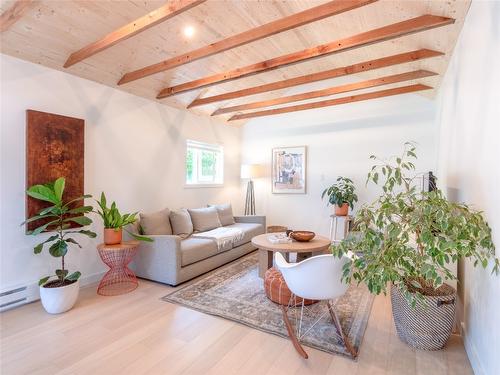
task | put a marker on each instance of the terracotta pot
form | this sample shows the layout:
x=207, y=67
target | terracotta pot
x=112, y=236
x=342, y=210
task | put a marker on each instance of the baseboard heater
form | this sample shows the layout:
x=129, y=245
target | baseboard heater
x=18, y=296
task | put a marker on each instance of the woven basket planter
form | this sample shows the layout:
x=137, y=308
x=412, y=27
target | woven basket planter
x=429, y=324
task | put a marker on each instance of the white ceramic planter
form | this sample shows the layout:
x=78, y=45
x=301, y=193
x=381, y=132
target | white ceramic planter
x=59, y=300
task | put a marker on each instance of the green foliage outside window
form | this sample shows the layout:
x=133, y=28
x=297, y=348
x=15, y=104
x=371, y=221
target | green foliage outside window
x=208, y=161
x=204, y=164
x=189, y=165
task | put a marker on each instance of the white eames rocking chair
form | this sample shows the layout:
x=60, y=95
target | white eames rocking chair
x=316, y=278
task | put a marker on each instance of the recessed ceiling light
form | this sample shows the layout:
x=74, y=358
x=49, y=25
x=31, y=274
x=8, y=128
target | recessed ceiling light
x=188, y=31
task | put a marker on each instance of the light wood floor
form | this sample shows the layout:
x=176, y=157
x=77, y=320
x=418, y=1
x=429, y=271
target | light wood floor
x=137, y=333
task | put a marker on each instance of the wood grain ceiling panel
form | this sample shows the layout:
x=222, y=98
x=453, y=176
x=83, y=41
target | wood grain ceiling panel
x=51, y=30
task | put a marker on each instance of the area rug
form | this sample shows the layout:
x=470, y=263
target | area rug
x=236, y=292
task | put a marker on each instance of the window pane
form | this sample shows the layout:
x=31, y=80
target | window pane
x=189, y=165
x=204, y=163
x=208, y=165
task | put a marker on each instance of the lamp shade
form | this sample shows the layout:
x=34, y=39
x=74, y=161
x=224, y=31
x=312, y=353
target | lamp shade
x=251, y=171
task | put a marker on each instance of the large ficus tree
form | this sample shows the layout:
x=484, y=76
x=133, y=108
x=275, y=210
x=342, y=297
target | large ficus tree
x=407, y=236
x=59, y=216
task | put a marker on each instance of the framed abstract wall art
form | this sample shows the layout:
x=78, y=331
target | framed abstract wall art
x=54, y=148
x=289, y=170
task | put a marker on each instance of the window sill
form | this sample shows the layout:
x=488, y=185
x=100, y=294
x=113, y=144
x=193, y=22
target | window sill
x=202, y=186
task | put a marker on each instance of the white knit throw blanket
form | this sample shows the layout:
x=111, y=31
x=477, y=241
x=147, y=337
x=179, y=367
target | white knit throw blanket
x=222, y=236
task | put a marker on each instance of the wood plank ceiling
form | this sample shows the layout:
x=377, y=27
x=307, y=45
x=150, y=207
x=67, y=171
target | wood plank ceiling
x=243, y=54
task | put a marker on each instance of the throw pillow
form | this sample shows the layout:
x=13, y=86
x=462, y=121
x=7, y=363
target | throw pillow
x=204, y=218
x=181, y=223
x=225, y=212
x=156, y=222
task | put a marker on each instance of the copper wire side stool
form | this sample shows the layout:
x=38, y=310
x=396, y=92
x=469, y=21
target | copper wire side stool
x=119, y=279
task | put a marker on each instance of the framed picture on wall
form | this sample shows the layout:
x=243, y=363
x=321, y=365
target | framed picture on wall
x=289, y=170
x=55, y=146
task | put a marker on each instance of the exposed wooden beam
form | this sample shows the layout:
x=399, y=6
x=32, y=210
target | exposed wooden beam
x=163, y=13
x=392, y=31
x=332, y=102
x=329, y=91
x=320, y=76
x=14, y=13
x=295, y=20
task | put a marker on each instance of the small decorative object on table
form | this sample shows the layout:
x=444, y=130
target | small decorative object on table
x=302, y=235
x=279, y=238
x=119, y=279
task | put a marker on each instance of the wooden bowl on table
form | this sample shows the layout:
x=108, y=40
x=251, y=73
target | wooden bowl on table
x=302, y=235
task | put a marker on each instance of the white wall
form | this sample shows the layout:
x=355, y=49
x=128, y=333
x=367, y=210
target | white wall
x=468, y=113
x=339, y=142
x=134, y=151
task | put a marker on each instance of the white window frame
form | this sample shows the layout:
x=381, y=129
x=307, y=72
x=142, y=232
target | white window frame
x=202, y=146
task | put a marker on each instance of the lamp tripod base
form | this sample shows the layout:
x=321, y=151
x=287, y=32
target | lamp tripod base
x=250, y=199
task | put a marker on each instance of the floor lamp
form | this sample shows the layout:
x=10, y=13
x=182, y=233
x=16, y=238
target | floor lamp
x=250, y=171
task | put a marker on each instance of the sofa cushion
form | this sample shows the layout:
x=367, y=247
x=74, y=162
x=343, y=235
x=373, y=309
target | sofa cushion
x=250, y=230
x=225, y=212
x=204, y=219
x=156, y=222
x=181, y=223
x=195, y=249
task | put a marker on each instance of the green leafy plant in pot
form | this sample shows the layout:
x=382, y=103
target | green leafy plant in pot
x=114, y=222
x=59, y=292
x=341, y=195
x=406, y=239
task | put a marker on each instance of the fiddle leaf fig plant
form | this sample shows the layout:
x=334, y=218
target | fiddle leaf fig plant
x=113, y=219
x=407, y=237
x=341, y=192
x=59, y=216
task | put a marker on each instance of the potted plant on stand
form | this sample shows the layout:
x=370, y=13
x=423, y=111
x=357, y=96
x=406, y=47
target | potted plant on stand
x=114, y=222
x=406, y=239
x=60, y=294
x=341, y=195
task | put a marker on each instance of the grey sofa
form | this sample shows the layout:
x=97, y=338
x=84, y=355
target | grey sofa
x=172, y=260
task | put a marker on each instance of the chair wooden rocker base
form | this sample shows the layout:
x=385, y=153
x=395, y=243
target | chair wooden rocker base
x=317, y=278
x=295, y=340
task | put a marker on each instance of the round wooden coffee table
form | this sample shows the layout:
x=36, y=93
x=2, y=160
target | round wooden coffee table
x=318, y=245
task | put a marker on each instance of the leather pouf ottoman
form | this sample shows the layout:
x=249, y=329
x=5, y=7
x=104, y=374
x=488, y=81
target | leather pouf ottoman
x=277, y=290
